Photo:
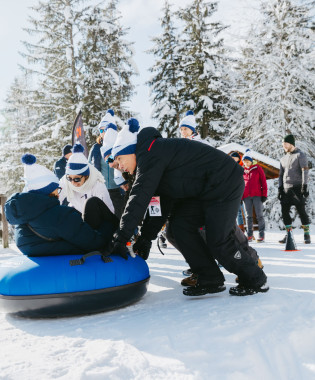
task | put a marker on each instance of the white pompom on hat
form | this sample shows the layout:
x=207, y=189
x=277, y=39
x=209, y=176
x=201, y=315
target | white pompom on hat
x=248, y=155
x=189, y=121
x=77, y=163
x=108, y=118
x=38, y=179
x=109, y=139
x=126, y=141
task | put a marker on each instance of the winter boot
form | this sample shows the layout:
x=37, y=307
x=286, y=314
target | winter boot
x=241, y=290
x=250, y=238
x=259, y=263
x=162, y=241
x=261, y=239
x=190, y=281
x=307, y=236
x=288, y=228
x=201, y=290
x=187, y=272
x=284, y=240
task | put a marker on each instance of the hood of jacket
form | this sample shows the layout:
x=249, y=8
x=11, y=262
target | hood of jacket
x=21, y=208
x=145, y=138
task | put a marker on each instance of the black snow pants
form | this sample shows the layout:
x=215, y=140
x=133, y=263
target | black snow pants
x=218, y=217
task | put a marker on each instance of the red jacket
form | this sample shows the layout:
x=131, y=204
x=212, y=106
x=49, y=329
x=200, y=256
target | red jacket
x=255, y=182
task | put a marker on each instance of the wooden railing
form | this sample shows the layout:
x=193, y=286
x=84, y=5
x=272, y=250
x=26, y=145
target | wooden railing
x=4, y=231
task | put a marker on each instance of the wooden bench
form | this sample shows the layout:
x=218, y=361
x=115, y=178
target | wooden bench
x=4, y=230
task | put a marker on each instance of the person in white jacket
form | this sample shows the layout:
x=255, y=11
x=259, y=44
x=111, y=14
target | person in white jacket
x=83, y=181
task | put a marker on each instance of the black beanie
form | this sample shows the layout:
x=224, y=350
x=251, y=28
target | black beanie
x=289, y=139
x=235, y=154
x=66, y=149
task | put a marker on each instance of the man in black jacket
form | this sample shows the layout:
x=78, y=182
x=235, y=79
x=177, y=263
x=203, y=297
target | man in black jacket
x=60, y=165
x=203, y=186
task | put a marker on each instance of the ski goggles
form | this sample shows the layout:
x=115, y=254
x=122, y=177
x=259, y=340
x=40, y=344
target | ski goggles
x=110, y=159
x=77, y=179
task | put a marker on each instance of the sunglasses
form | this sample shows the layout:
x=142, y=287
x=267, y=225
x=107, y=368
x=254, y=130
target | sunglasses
x=59, y=190
x=102, y=130
x=77, y=179
x=110, y=160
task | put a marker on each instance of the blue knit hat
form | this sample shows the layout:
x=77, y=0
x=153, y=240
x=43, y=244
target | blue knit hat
x=38, y=179
x=189, y=121
x=248, y=155
x=77, y=163
x=126, y=141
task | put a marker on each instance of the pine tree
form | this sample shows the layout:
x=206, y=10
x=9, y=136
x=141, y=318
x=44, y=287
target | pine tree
x=204, y=68
x=278, y=86
x=107, y=60
x=166, y=80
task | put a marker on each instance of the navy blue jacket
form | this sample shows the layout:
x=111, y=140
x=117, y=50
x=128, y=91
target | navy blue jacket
x=60, y=167
x=95, y=158
x=64, y=224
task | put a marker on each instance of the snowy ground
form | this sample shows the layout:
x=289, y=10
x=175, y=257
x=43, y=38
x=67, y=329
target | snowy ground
x=169, y=336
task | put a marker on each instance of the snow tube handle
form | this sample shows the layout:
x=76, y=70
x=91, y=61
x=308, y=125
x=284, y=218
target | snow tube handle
x=81, y=261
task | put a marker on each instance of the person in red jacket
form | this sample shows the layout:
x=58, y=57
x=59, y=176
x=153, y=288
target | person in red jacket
x=255, y=194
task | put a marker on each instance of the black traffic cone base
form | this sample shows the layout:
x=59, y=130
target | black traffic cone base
x=290, y=244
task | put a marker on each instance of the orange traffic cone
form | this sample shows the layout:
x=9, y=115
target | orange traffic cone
x=290, y=244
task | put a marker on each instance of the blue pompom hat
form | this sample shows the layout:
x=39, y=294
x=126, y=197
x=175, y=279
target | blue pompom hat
x=189, y=121
x=38, y=179
x=109, y=139
x=107, y=119
x=126, y=141
x=77, y=163
x=248, y=155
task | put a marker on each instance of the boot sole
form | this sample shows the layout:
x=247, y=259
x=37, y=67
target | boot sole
x=241, y=292
x=203, y=292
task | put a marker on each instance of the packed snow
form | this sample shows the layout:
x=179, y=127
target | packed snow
x=169, y=336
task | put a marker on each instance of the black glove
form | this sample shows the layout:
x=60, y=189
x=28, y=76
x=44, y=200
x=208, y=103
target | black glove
x=280, y=193
x=142, y=247
x=263, y=199
x=304, y=191
x=118, y=247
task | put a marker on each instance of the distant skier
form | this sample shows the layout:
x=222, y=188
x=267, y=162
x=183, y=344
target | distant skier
x=293, y=190
x=206, y=187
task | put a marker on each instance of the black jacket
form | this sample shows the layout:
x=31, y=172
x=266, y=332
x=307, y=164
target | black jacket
x=177, y=169
x=60, y=167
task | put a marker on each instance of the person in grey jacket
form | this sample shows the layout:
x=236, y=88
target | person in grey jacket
x=293, y=191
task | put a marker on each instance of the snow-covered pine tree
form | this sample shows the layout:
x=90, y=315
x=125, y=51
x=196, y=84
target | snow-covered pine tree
x=106, y=57
x=166, y=79
x=19, y=124
x=204, y=68
x=278, y=82
x=51, y=53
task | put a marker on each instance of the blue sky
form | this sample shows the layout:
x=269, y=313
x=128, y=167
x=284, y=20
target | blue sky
x=142, y=16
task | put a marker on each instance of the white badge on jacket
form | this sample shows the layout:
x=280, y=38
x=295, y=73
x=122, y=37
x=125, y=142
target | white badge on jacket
x=155, y=207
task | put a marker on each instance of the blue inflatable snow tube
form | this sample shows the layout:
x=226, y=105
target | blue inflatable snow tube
x=50, y=287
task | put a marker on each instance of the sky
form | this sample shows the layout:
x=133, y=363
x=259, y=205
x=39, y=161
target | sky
x=141, y=16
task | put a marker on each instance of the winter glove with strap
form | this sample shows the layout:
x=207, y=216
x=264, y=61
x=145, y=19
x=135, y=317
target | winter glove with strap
x=142, y=247
x=280, y=193
x=304, y=191
x=118, y=247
